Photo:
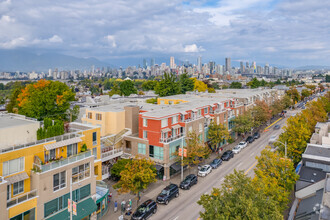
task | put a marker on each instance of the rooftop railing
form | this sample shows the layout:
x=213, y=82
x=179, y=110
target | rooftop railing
x=22, y=198
x=170, y=139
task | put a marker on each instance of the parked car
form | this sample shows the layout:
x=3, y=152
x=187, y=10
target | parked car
x=272, y=139
x=145, y=210
x=206, y=169
x=276, y=127
x=237, y=149
x=189, y=181
x=216, y=163
x=242, y=144
x=227, y=155
x=256, y=135
x=249, y=139
x=168, y=193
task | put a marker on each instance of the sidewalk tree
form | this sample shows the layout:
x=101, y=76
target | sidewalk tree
x=276, y=176
x=167, y=85
x=243, y=123
x=305, y=93
x=195, y=150
x=260, y=113
x=286, y=100
x=314, y=113
x=119, y=166
x=127, y=88
x=136, y=176
x=45, y=99
x=293, y=94
x=277, y=107
x=217, y=134
x=238, y=199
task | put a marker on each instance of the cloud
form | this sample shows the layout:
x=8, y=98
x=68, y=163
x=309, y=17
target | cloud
x=262, y=30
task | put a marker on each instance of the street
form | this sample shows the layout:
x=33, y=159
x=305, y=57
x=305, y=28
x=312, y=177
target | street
x=186, y=207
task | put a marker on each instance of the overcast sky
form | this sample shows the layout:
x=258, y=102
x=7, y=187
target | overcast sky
x=287, y=32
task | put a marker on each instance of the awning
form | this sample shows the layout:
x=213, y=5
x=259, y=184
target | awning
x=176, y=166
x=84, y=209
x=176, y=126
x=158, y=167
x=166, y=130
x=63, y=143
x=17, y=178
x=207, y=116
x=184, y=113
x=194, y=110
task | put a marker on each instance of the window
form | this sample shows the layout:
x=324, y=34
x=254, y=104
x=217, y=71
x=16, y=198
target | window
x=164, y=122
x=72, y=149
x=80, y=172
x=145, y=122
x=145, y=134
x=90, y=115
x=156, y=152
x=199, y=113
x=200, y=127
x=61, y=202
x=98, y=117
x=95, y=152
x=174, y=119
x=218, y=121
x=28, y=215
x=8, y=192
x=94, y=139
x=59, y=181
x=151, y=151
x=52, y=154
x=200, y=137
x=190, y=129
x=13, y=166
x=173, y=149
x=141, y=148
x=206, y=110
x=18, y=187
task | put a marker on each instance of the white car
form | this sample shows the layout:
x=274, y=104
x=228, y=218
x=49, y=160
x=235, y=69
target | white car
x=242, y=144
x=237, y=149
x=206, y=169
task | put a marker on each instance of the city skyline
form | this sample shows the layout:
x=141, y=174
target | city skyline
x=122, y=32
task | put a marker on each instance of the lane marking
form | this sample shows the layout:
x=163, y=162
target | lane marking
x=176, y=218
x=252, y=154
x=273, y=123
x=239, y=164
x=253, y=165
x=222, y=179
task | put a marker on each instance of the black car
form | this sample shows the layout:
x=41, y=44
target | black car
x=249, y=139
x=216, y=163
x=189, y=181
x=168, y=193
x=145, y=210
x=256, y=135
x=227, y=155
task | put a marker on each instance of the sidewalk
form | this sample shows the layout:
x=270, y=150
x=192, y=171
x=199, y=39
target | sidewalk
x=155, y=188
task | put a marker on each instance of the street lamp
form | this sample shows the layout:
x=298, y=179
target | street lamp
x=284, y=144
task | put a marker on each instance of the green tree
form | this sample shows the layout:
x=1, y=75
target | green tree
x=235, y=85
x=152, y=101
x=186, y=83
x=327, y=78
x=149, y=85
x=12, y=106
x=305, y=93
x=72, y=114
x=243, y=123
x=45, y=99
x=127, y=88
x=115, y=90
x=238, y=199
x=217, y=135
x=277, y=107
x=167, y=86
x=260, y=113
x=294, y=94
x=119, y=166
x=287, y=101
x=254, y=83
x=276, y=176
x=136, y=176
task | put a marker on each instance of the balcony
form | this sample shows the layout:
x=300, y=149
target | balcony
x=63, y=162
x=170, y=139
x=192, y=118
x=113, y=153
x=20, y=199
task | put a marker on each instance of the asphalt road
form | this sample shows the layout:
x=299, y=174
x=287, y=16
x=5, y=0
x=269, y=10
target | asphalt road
x=185, y=207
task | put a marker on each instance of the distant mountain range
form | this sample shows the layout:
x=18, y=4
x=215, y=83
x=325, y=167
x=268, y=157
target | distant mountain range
x=16, y=60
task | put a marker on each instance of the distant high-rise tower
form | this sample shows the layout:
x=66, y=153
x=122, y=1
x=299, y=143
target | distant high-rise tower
x=241, y=67
x=172, y=63
x=228, y=65
x=199, y=64
x=152, y=62
x=212, y=66
x=267, y=69
x=254, y=66
x=247, y=65
x=144, y=63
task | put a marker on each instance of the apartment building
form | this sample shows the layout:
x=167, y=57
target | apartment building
x=35, y=176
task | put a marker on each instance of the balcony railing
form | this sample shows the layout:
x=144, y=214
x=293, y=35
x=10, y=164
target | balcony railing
x=22, y=198
x=111, y=152
x=63, y=162
x=56, y=138
x=170, y=139
x=192, y=118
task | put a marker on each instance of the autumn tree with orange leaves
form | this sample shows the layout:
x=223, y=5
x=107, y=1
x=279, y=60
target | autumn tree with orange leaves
x=45, y=99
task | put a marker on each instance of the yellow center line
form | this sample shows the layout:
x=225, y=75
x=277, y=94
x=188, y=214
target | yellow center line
x=253, y=165
x=273, y=123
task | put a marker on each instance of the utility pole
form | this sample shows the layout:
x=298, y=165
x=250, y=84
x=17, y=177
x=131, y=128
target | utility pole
x=182, y=159
x=71, y=198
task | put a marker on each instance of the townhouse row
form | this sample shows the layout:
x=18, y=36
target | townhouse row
x=36, y=175
x=156, y=131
